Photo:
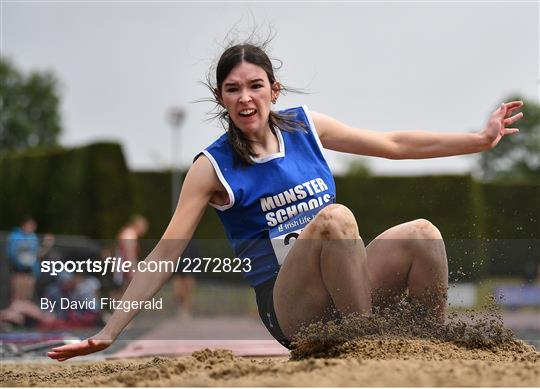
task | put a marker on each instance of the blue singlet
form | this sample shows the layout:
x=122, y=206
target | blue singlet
x=271, y=201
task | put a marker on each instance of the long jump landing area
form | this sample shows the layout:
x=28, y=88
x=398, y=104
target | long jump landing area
x=244, y=336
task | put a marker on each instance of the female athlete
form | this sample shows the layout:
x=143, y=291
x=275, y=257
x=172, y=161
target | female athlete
x=275, y=195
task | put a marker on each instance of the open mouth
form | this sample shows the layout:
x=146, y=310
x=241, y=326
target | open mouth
x=247, y=112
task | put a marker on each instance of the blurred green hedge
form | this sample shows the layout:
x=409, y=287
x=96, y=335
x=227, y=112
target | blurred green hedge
x=513, y=228
x=78, y=191
x=152, y=198
x=89, y=191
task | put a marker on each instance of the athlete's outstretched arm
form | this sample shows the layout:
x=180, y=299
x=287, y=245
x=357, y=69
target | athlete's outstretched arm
x=200, y=184
x=337, y=136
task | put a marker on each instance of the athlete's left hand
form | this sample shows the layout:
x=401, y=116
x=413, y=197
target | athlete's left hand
x=499, y=120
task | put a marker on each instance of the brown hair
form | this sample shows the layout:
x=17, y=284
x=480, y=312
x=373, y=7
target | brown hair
x=231, y=57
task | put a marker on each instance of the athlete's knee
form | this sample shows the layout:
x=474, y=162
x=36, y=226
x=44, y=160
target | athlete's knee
x=427, y=239
x=424, y=229
x=336, y=222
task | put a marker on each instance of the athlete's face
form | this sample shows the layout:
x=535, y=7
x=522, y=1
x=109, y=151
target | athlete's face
x=247, y=95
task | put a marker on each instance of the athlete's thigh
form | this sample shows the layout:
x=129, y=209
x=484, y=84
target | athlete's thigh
x=389, y=262
x=300, y=296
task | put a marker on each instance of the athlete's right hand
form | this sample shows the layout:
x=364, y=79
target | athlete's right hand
x=87, y=346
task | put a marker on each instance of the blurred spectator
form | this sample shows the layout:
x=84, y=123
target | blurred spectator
x=25, y=313
x=47, y=249
x=183, y=283
x=127, y=249
x=78, y=288
x=107, y=283
x=48, y=252
x=22, y=253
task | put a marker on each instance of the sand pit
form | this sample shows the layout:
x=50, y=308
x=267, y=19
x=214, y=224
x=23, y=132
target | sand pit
x=387, y=349
x=369, y=362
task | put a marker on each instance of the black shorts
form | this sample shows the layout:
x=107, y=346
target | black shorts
x=17, y=269
x=265, y=304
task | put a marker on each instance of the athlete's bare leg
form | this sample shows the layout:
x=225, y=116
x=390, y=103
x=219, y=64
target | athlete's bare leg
x=410, y=257
x=22, y=286
x=326, y=267
x=322, y=272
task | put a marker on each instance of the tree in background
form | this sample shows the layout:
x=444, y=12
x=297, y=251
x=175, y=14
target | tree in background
x=358, y=168
x=29, y=109
x=517, y=157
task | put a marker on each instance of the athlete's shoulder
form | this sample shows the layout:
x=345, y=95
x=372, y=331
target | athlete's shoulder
x=201, y=175
x=220, y=148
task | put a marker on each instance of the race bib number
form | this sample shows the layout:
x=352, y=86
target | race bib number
x=285, y=234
